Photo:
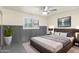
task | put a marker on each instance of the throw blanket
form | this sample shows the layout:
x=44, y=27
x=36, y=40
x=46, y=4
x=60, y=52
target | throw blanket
x=63, y=40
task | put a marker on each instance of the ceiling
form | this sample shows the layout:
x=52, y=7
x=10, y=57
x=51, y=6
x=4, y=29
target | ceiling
x=37, y=9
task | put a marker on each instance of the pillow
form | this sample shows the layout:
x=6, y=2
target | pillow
x=57, y=33
x=69, y=34
x=63, y=34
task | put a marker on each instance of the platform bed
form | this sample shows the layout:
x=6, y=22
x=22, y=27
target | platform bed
x=44, y=50
x=64, y=49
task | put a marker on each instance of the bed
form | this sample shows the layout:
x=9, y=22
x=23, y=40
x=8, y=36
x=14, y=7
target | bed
x=52, y=43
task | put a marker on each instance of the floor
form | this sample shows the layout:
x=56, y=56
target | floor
x=13, y=48
x=74, y=49
x=27, y=48
x=30, y=49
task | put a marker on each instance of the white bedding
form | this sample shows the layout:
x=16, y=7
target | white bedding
x=71, y=38
x=53, y=46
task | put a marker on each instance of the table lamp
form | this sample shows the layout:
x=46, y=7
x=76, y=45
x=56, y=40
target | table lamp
x=51, y=29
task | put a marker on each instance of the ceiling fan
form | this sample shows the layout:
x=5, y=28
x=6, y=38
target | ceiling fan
x=46, y=10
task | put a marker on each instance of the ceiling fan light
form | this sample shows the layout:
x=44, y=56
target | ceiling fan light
x=44, y=13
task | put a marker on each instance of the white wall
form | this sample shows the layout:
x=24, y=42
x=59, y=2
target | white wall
x=52, y=20
x=12, y=17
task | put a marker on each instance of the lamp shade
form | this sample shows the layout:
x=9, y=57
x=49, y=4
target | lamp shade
x=51, y=26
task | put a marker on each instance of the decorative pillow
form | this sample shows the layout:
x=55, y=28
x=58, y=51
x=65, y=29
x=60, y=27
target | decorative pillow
x=57, y=33
x=69, y=34
x=63, y=34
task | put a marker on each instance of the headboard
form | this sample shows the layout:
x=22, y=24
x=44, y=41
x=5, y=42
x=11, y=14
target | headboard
x=72, y=31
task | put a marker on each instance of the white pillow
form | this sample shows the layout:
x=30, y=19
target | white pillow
x=57, y=33
x=63, y=34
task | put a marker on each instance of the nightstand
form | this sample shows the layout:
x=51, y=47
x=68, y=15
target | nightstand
x=76, y=42
x=48, y=34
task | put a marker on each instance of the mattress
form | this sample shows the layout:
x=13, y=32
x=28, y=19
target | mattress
x=53, y=46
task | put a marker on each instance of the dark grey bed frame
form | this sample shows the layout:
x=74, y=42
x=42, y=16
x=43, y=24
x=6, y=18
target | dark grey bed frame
x=63, y=50
x=44, y=50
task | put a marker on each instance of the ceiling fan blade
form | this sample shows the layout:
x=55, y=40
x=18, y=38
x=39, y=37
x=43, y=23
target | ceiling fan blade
x=53, y=10
x=46, y=10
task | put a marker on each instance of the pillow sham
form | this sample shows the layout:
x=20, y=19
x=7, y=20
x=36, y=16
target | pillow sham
x=69, y=34
x=57, y=33
x=63, y=34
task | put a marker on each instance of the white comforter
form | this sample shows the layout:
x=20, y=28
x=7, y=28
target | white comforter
x=53, y=46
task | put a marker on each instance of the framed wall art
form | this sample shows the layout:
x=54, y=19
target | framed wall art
x=64, y=21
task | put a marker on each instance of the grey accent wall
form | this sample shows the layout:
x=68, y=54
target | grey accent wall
x=23, y=35
x=27, y=34
x=17, y=34
x=0, y=35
